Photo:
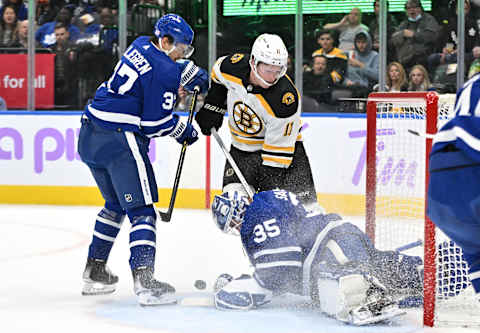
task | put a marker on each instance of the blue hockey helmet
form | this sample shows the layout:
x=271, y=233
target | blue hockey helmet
x=228, y=212
x=176, y=27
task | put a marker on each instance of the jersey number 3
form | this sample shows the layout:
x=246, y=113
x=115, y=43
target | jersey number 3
x=265, y=230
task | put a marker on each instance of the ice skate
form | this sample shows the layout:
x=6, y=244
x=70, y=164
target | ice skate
x=151, y=291
x=98, y=278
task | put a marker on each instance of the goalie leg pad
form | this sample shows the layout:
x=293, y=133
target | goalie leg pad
x=354, y=300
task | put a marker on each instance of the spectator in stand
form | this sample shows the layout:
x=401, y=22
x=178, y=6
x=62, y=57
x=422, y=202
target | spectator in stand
x=65, y=71
x=396, y=79
x=374, y=30
x=449, y=39
x=418, y=79
x=46, y=11
x=8, y=26
x=21, y=40
x=317, y=86
x=45, y=34
x=362, y=71
x=336, y=58
x=18, y=6
x=349, y=26
x=416, y=37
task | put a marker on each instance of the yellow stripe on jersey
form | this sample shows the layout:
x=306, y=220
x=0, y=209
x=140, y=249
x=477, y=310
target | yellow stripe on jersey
x=247, y=140
x=275, y=148
x=232, y=78
x=278, y=160
x=214, y=76
x=265, y=104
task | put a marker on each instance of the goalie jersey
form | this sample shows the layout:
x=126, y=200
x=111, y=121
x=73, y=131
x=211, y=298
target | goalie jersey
x=463, y=131
x=266, y=120
x=283, y=242
x=290, y=248
x=141, y=93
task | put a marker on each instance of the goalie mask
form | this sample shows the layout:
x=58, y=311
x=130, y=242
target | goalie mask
x=228, y=212
x=269, y=52
x=177, y=28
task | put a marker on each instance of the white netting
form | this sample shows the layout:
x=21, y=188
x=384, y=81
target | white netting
x=400, y=202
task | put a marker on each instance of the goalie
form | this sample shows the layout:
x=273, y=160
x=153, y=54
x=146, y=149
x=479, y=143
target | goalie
x=314, y=254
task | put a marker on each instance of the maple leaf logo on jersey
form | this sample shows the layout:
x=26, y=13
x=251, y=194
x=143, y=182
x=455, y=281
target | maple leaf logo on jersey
x=236, y=58
x=288, y=98
x=246, y=119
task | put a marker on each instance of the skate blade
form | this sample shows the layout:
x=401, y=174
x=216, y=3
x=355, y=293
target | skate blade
x=97, y=288
x=149, y=299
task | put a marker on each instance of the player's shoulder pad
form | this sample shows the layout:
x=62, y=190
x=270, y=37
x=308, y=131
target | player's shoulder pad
x=235, y=65
x=283, y=98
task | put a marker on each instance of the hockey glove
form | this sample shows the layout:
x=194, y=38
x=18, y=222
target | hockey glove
x=209, y=116
x=192, y=76
x=184, y=132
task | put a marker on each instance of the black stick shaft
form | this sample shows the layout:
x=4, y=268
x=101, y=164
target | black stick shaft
x=166, y=216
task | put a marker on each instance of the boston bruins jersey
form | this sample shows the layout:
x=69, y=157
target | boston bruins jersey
x=266, y=120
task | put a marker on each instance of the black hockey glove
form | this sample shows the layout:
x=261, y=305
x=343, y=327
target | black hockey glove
x=212, y=112
x=209, y=116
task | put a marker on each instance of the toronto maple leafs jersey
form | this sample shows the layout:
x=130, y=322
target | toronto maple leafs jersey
x=284, y=242
x=266, y=120
x=463, y=131
x=141, y=93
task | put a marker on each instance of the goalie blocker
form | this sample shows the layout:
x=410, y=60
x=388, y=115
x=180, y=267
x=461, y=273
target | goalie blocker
x=312, y=254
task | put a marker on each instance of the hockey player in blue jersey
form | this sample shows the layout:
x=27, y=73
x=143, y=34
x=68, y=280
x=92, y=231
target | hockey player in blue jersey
x=129, y=109
x=453, y=202
x=309, y=253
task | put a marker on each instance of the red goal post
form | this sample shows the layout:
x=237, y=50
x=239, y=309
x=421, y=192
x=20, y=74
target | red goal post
x=396, y=190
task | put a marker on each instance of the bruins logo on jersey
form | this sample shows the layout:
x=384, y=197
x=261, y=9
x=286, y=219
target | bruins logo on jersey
x=236, y=58
x=288, y=98
x=246, y=119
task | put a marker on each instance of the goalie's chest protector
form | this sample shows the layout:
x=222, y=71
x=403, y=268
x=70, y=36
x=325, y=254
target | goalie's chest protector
x=258, y=118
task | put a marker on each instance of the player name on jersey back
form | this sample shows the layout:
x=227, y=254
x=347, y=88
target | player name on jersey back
x=138, y=60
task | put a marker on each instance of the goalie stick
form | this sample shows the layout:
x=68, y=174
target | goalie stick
x=166, y=216
x=232, y=163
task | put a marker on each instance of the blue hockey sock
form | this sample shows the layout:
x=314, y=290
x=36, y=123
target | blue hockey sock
x=107, y=226
x=142, y=242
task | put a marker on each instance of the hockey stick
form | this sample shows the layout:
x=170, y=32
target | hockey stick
x=166, y=216
x=409, y=246
x=232, y=163
x=423, y=135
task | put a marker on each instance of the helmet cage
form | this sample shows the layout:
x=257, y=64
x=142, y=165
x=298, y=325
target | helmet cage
x=228, y=213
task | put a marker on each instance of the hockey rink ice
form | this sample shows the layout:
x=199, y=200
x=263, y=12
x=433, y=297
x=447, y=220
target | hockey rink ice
x=42, y=256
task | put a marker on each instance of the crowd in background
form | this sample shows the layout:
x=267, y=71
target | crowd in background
x=342, y=64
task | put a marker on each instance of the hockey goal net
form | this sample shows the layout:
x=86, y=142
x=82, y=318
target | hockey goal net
x=396, y=187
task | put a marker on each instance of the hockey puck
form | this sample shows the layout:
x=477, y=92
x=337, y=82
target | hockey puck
x=200, y=284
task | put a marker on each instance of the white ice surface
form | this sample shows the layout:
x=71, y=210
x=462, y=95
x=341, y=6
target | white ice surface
x=42, y=255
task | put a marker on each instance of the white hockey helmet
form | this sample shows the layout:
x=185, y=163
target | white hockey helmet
x=271, y=50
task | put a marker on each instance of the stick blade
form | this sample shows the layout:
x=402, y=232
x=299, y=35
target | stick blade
x=165, y=216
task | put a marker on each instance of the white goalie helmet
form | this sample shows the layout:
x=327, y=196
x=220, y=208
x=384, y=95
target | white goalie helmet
x=271, y=50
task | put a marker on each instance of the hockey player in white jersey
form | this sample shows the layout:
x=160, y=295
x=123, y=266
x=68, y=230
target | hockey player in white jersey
x=312, y=254
x=264, y=110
